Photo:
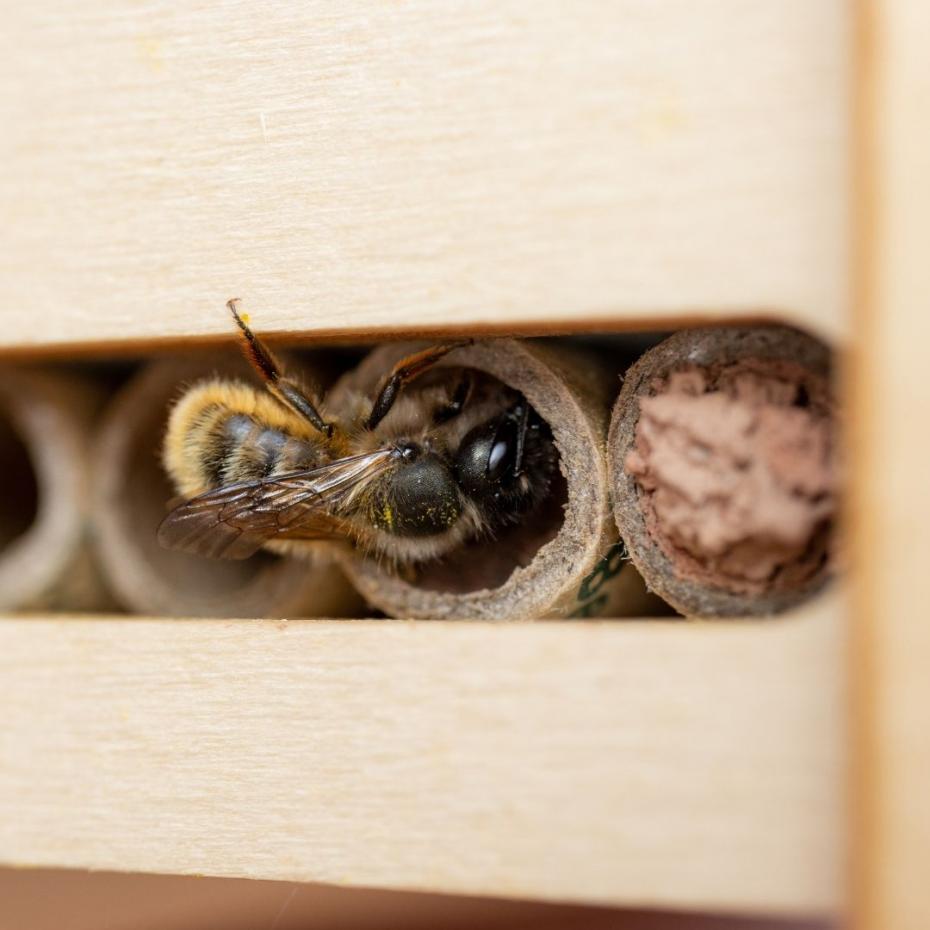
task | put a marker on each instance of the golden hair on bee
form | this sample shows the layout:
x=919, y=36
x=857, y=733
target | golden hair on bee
x=198, y=451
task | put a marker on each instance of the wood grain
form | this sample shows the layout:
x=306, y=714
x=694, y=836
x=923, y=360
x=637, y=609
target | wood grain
x=666, y=764
x=372, y=167
x=892, y=507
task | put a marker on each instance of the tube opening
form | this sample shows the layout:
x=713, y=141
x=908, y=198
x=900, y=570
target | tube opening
x=488, y=560
x=20, y=508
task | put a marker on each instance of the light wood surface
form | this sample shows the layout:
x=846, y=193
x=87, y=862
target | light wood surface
x=892, y=389
x=374, y=167
x=665, y=764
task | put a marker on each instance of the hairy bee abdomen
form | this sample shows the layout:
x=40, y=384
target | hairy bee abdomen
x=246, y=450
x=223, y=433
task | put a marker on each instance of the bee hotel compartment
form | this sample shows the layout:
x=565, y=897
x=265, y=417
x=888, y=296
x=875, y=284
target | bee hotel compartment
x=537, y=568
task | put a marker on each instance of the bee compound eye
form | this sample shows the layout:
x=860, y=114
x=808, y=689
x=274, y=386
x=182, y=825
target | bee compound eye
x=502, y=458
x=420, y=499
x=472, y=458
x=487, y=456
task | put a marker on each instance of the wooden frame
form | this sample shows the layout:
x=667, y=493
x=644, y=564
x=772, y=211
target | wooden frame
x=378, y=170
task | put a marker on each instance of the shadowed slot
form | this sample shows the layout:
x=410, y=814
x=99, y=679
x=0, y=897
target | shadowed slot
x=20, y=505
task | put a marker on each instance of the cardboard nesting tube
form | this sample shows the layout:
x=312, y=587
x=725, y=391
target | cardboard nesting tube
x=577, y=568
x=800, y=361
x=45, y=557
x=131, y=496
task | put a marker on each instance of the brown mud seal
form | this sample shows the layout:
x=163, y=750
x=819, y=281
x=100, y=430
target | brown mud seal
x=722, y=455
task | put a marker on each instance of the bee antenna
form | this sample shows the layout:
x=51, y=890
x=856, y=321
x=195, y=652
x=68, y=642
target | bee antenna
x=233, y=306
x=406, y=370
x=282, y=388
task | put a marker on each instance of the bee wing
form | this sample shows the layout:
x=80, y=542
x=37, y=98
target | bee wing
x=233, y=522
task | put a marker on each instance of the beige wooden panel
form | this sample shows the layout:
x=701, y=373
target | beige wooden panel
x=374, y=166
x=644, y=763
x=893, y=393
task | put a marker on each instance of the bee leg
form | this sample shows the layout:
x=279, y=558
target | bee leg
x=282, y=388
x=406, y=370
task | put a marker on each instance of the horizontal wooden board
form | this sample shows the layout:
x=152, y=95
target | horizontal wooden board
x=370, y=167
x=662, y=764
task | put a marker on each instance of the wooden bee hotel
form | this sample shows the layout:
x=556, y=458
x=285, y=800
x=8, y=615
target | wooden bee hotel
x=468, y=451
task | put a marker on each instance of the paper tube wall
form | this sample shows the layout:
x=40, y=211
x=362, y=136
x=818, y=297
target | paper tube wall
x=131, y=496
x=565, y=562
x=45, y=557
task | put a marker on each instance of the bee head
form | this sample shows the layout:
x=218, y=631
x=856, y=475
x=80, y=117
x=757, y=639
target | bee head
x=504, y=464
x=499, y=470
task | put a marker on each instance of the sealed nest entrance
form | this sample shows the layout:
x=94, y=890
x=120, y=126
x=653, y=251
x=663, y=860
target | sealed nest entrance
x=20, y=486
x=736, y=471
x=723, y=458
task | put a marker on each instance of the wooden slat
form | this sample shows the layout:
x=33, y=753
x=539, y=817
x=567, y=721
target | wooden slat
x=892, y=387
x=663, y=764
x=370, y=167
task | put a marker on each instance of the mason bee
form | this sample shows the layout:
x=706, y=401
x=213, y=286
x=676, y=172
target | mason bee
x=437, y=458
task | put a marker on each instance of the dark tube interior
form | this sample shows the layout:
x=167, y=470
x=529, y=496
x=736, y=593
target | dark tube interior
x=19, y=503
